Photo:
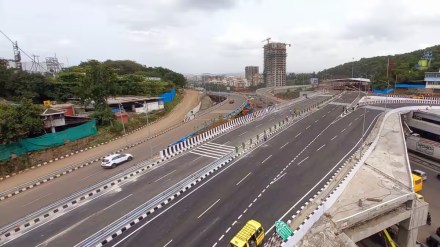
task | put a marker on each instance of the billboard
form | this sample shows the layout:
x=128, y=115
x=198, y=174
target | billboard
x=314, y=81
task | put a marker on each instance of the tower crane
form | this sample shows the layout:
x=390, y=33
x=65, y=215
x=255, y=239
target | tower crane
x=268, y=40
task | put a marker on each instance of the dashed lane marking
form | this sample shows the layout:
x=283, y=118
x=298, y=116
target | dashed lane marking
x=243, y=178
x=303, y=160
x=168, y=243
x=266, y=159
x=320, y=147
x=208, y=208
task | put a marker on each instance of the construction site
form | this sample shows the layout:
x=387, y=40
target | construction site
x=275, y=55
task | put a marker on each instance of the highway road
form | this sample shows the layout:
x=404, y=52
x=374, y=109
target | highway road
x=267, y=184
x=61, y=187
x=83, y=221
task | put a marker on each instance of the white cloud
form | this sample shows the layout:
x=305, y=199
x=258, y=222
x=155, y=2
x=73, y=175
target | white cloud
x=197, y=36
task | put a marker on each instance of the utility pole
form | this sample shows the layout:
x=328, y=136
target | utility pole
x=122, y=121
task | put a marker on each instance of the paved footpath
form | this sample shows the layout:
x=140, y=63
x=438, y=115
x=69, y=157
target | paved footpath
x=190, y=100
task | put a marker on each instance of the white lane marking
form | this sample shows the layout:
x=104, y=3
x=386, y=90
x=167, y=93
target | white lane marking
x=24, y=205
x=78, y=223
x=356, y=118
x=324, y=115
x=316, y=120
x=278, y=178
x=214, y=244
x=243, y=178
x=266, y=159
x=350, y=124
x=258, y=125
x=201, y=154
x=208, y=209
x=242, y=133
x=302, y=160
x=227, y=142
x=308, y=127
x=45, y=243
x=164, y=176
x=343, y=130
x=298, y=134
x=325, y=176
x=320, y=147
x=284, y=145
x=86, y=177
x=168, y=243
x=235, y=222
x=220, y=239
x=227, y=230
x=239, y=217
x=115, y=203
x=333, y=137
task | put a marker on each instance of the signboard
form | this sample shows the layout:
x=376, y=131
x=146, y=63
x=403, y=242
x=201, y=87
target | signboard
x=283, y=230
x=314, y=81
x=46, y=103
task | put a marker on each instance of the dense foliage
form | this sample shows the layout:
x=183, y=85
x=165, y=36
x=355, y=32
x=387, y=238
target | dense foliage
x=19, y=121
x=375, y=68
x=92, y=81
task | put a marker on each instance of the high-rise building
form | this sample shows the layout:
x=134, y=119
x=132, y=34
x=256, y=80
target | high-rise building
x=250, y=72
x=275, y=64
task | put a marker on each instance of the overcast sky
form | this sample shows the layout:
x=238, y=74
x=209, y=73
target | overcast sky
x=218, y=36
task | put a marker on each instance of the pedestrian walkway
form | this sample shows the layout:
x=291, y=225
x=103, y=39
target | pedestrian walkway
x=213, y=150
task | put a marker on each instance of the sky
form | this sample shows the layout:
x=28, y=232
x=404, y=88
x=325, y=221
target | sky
x=217, y=36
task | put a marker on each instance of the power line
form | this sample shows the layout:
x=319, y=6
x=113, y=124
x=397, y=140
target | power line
x=6, y=36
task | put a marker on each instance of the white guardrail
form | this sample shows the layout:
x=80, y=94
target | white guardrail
x=328, y=202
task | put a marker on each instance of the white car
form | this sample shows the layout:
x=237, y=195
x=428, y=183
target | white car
x=113, y=160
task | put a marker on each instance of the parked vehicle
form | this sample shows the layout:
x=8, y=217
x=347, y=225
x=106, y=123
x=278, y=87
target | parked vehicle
x=251, y=235
x=113, y=160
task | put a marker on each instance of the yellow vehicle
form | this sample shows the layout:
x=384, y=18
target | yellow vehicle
x=418, y=183
x=420, y=197
x=251, y=235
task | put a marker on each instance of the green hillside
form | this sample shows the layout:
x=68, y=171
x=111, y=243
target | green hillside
x=375, y=68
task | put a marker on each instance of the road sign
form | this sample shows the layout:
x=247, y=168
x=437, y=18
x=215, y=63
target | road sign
x=283, y=230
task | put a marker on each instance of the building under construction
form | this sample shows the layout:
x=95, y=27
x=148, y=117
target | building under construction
x=275, y=64
x=251, y=74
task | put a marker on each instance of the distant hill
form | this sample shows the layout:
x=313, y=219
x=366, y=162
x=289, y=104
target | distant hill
x=375, y=67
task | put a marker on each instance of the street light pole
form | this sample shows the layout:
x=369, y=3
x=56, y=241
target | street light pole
x=149, y=129
x=352, y=68
x=122, y=121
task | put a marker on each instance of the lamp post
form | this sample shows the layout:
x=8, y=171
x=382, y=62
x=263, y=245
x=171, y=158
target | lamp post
x=352, y=68
x=122, y=121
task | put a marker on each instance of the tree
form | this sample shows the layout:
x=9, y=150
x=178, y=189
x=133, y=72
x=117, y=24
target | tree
x=96, y=87
x=21, y=121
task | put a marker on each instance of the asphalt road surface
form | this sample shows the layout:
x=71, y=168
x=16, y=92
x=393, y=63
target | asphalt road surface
x=85, y=220
x=268, y=184
x=50, y=192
